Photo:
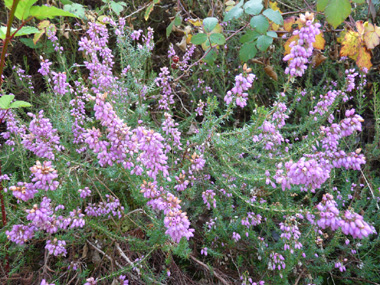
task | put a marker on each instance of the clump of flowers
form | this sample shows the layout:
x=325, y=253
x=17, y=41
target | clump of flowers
x=302, y=48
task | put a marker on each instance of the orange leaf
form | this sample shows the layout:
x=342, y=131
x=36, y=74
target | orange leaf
x=350, y=44
x=364, y=58
x=288, y=23
x=288, y=42
x=319, y=42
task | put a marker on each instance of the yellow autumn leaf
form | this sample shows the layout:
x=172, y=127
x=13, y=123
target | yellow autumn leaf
x=364, y=58
x=319, y=42
x=288, y=23
x=196, y=22
x=350, y=44
x=288, y=42
x=371, y=39
x=274, y=6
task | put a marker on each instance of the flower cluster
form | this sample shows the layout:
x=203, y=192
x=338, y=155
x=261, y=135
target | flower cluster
x=109, y=208
x=208, y=197
x=166, y=97
x=59, y=83
x=351, y=223
x=176, y=221
x=42, y=139
x=243, y=82
x=56, y=247
x=302, y=48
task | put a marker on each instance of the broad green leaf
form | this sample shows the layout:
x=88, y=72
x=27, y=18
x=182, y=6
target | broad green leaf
x=23, y=7
x=218, y=39
x=272, y=34
x=337, y=11
x=247, y=51
x=29, y=43
x=359, y=1
x=177, y=20
x=263, y=42
x=253, y=7
x=117, y=7
x=198, y=39
x=274, y=16
x=260, y=23
x=211, y=56
x=210, y=23
x=27, y=30
x=45, y=12
x=234, y=13
x=5, y=101
x=20, y=104
x=321, y=5
x=249, y=35
x=76, y=9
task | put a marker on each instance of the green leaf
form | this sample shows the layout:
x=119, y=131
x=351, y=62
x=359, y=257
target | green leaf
x=218, y=39
x=169, y=29
x=27, y=30
x=337, y=11
x=45, y=12
x=210, y=23
x=249, y=35
x=247, y=51
x=260, y=23
x=5, y=101
x=321, y=5
x=263, y=42
x=359, y=1
x=274, y=16
x=66, y=2
x=117, y=7
x=23, y=7
x=272, y=34
x=253, y=7
x=211, y=56
x=198, y=39
x=76, y=9
x=235, y=12
x=177, y=20
x=20, y=104
x=29, y=43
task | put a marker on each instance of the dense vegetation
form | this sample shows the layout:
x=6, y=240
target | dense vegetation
x=190, y=142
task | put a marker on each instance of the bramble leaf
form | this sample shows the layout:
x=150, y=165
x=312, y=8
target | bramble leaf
x=48, y=12
x=234, y=13
x=5, y=101
x=263, y=42
x=337, y=11
x=247, y=51
x=218, y=39
x=321, y=5
x=19, y=104
x=198, y=39
x=274, y=16
x=260, y=23
x=253, y=7
x=210, y=23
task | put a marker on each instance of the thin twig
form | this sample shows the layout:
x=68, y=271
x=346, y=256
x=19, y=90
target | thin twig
x=216, y=274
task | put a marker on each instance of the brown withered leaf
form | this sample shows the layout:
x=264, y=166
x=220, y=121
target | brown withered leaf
x=270, y=72
x=318, y=58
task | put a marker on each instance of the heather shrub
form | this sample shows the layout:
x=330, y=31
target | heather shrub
x=129, y=171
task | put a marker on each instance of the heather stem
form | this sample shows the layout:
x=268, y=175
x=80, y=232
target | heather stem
x=7, y=38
